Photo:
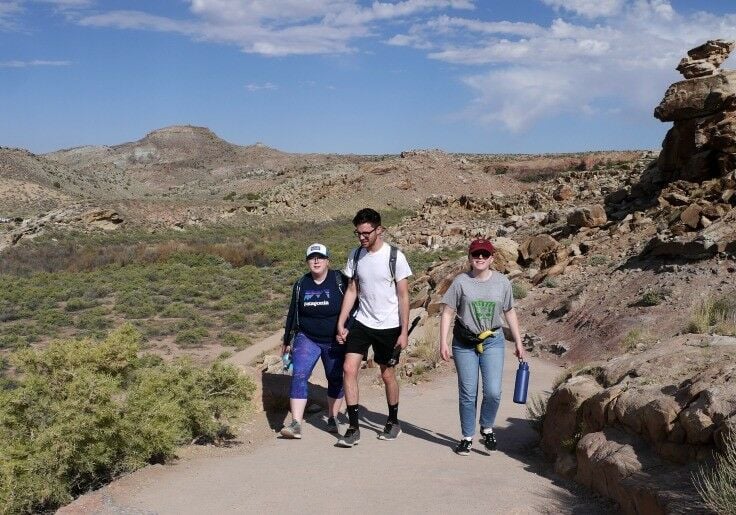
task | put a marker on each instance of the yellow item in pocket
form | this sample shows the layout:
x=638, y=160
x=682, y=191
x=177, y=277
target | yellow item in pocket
x=482, y=336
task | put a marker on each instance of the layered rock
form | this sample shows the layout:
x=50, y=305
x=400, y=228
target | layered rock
x=627, y=427
x=701, y=142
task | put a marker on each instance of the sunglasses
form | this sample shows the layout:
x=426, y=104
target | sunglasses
x=364, y=234
x=316, y=257
x=481, y=254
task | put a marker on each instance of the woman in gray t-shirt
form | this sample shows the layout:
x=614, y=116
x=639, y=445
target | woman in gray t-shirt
x=477, y=298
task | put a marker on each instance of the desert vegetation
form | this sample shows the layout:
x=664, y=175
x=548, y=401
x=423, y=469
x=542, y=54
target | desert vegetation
x=219, y=286
x=78, y=413
x=717, y=484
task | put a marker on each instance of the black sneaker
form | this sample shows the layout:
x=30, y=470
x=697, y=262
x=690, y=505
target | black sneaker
x=463, y=447
x=489, y=440
x=390, y=432
x=352, y=437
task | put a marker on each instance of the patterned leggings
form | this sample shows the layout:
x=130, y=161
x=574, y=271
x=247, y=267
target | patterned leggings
x=304, y=354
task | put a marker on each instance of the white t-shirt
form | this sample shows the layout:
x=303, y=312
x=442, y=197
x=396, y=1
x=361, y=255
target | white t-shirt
x=378, y=304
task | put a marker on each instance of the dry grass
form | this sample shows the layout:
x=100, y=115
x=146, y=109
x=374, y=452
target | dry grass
x=717, y=485
x=714, y=315
x=637, y=338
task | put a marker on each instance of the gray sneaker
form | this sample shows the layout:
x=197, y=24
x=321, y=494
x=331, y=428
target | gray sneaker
x=332, y=425
x=390, y=432
x=292, y=431
x=352, y=437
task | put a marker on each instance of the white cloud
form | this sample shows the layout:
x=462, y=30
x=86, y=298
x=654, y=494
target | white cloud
x=588, y=8
x=29, y=64
x=278, y=27
x=522, y=73
x=252, y=87
x=8, y=11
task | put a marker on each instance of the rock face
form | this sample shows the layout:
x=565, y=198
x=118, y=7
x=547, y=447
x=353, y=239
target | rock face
x=635, y=427
x=700, y=144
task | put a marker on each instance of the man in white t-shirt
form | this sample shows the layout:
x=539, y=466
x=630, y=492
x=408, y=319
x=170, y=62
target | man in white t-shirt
x=381, y=322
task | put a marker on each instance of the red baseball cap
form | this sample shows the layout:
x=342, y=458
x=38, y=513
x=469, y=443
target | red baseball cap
x=481, y=244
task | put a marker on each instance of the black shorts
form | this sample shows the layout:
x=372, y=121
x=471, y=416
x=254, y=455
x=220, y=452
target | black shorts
x=361, y=338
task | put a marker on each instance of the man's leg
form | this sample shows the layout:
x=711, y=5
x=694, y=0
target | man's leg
x=388, y=374
x=350, y=383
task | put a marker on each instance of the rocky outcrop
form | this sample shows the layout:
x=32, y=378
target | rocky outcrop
x=78, y=216
x=628, y=426
x=700, y=144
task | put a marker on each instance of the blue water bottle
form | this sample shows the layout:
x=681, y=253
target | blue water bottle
x=522, y=383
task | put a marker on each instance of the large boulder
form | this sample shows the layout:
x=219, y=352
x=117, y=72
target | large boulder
x=696, y=98
x=562, y=422
x=536, y=246
x=593, y=216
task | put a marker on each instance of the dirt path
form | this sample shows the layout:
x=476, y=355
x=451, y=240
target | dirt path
x=418, y=473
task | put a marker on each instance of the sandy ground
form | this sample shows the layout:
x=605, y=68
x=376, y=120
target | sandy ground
x=417, y=473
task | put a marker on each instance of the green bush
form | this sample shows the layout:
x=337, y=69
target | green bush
x=81, y=413
x=652, y=298
x=597, y=260
x=519, y=289
x=191, y=337
x=239, y=341
x=717, y=485
x=550, y=282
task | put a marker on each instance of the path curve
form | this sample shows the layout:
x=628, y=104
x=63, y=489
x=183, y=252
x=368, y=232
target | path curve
x=418, y=473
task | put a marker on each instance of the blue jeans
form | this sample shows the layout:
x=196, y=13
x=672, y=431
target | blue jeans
x=490, y=364
x=304, y=354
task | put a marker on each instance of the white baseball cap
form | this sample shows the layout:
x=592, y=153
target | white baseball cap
x=317, y=248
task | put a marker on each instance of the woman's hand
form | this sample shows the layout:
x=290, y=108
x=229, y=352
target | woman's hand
x=285, y=349
x=519, y=351
x=445, y=351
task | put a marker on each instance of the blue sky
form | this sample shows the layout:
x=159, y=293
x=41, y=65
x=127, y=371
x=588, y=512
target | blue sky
x=348, y=76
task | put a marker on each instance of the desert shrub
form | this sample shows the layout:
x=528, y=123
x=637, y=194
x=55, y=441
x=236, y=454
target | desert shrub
x=519, y=289
x=177, y=310
x=78, y=304
x=239, y=341
x=426, y=348
x=717, y=485
x=635, y=338
x=597, y=260
x=191, y=337
x=652, y=298
x=717, y=315
x=536, y=410
x=81, y=413
x=550, y=282
x=230, y=196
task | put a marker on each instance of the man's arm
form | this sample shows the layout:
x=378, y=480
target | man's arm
x=402, y=292
x=348, y=301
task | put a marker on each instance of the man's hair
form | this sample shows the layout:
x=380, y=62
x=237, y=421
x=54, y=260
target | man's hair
x=367, y=215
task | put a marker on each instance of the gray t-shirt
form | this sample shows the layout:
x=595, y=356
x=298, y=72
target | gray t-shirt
x=479, y=304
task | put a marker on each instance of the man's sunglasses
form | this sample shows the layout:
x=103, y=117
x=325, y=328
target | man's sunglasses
x=364, y=234
x=481, y=254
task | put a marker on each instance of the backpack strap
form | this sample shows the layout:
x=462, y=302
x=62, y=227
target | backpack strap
x=393, y=254
x=339, y=281
x=356, y=257
x=392, y=263
x=295, y=294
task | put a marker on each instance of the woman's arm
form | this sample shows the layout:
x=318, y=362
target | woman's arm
x=445, y=318
x=514, y=326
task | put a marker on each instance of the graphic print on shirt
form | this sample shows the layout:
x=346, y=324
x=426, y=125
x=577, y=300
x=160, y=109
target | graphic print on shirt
x=316, y=297
x=483, y=311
